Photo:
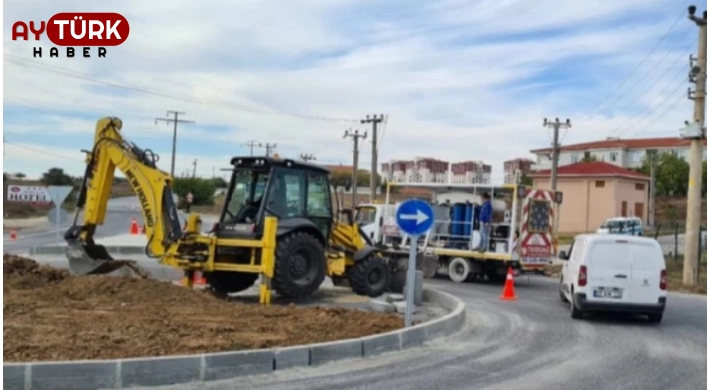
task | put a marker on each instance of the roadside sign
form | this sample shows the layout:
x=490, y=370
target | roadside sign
x=414, y=217
x=35, y=194
x=58, y=194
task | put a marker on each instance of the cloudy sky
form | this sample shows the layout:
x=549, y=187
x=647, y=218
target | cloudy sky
x=457, y=79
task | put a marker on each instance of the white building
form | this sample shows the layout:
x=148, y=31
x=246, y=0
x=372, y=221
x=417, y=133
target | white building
x=625, y=153
x=470, y=172
x=419, y=170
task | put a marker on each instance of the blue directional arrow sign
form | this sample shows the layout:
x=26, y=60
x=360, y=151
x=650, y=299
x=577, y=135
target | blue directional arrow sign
x=415, y=217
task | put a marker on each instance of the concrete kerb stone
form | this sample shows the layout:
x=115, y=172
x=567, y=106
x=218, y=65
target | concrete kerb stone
x=157, y=371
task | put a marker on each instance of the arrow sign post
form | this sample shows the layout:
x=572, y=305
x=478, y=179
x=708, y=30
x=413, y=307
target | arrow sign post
x=414, y=217
x=58, y=194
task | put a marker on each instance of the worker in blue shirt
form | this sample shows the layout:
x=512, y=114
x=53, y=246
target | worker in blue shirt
x=484, y=220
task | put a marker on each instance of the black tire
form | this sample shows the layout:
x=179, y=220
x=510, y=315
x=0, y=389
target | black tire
x=370, y=276
x=563, y=298
x=459, y=270
x=655, y=317
x=300, y=265
x=226, y=282
x=574, y=311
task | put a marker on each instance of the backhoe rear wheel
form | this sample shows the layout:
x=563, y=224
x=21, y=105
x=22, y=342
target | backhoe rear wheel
x=225, y=282
x=300, y=265
x=370, y=276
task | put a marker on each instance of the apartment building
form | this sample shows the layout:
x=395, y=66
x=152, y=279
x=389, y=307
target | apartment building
x=624, y=153
x=523, y=165
x=419, y=170
x=470, y=172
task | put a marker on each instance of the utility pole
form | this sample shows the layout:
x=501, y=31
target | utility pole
x=696, y=131
x=194, y=168
x=269, y=148
x=175, y=121
x=556, y=126
x=653, y=160
x=251, y=145
x=356, y=151
x=307, y=157
x=375, y=120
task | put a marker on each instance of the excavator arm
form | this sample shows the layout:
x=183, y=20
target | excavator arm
x=151, y=185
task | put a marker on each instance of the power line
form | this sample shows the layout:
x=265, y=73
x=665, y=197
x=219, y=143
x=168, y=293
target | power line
x=82, y=76
x=650, y=87
x=638, y=66
x=658, y=107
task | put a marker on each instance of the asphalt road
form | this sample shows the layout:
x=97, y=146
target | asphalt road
x=528, y=344
x=119, y=214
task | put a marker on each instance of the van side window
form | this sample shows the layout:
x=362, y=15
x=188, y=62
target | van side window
x=571, y=250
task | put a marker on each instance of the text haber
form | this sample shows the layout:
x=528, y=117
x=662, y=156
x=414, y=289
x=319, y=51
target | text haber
x=86, y=29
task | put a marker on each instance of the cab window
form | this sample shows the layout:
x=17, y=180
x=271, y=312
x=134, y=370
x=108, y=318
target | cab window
x=366, y=215
x=287, y=194
x=318, y=195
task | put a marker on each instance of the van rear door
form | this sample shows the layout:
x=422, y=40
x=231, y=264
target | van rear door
x=608, y=270
x=646, y=266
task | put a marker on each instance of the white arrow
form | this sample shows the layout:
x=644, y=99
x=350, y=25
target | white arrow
x=419, y=217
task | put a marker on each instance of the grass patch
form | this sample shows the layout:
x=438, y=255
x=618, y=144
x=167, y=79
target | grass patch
x=674, y=269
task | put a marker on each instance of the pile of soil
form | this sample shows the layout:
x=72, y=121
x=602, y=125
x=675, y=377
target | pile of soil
x=49, y=314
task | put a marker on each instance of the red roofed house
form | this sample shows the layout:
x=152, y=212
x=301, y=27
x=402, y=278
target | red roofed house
x=625, y=153
x=595, y=191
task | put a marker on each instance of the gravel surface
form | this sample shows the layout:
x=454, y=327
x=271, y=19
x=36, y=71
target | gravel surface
x=50, y=315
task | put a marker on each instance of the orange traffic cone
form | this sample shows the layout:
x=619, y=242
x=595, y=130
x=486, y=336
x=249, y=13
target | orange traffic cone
x=13, y=235
x=199, y=279
x=508, y=289
x=134, y=226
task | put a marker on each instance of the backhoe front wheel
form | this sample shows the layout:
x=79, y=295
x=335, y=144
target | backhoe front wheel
x=300, y=265
x=370, y=276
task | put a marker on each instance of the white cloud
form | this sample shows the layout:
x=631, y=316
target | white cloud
x=449, y=91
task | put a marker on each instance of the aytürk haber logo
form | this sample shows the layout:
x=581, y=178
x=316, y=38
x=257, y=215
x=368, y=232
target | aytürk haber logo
x=74, y=29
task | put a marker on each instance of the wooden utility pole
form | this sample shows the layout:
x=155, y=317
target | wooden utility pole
x=194, y=168
x=556, y=126
x=356, y=151
x=307, y=157
x=175, y=121
x=653, y=162
x=375, y=120
x=269, y=148
x=696, y=131
x=251, y=145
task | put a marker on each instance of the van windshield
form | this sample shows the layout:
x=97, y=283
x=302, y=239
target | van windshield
x=615, y=224
x=366, y=215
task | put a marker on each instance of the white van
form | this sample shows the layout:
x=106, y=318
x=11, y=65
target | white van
x=612, y=272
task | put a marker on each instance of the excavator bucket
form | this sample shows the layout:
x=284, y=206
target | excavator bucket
x=86, y=257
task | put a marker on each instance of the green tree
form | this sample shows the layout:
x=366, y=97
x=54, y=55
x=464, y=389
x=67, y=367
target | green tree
x=56, y=177
x=20, y=175
x=202, y=190
x=219, y=182
x=526, y=180
x=671, y=174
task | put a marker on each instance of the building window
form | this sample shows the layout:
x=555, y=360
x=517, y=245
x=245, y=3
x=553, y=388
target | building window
x=624, y=207
x=599, y=184
x=575, y=158
x=613, y=156
x=640, y=186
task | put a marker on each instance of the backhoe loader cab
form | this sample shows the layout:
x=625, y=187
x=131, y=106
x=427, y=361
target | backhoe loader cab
x=298, y=195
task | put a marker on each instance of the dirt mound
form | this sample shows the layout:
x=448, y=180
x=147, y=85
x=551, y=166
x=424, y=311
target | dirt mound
x=63, y=317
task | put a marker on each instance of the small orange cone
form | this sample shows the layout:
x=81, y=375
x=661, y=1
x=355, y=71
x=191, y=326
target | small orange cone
x=13, y=235
x=199, y=279
x=134, y=226
x=508, y=289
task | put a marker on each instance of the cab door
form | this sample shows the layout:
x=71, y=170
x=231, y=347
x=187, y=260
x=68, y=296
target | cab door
x=319, y=207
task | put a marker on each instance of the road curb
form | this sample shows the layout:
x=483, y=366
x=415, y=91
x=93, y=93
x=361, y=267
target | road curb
x=170, y=370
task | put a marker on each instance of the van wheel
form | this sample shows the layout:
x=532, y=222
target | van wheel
x=574, y=312
x=563, y=298
x=655, y=317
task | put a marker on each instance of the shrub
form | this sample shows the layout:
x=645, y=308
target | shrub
x=202, y=190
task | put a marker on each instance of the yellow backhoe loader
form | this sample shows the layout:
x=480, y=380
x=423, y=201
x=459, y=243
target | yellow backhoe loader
x=277, y=222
